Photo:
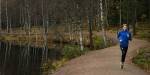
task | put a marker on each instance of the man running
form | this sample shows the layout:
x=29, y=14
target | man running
x=124, y=36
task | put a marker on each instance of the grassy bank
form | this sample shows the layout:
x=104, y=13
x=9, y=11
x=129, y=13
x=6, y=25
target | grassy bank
x=37, y=37
x=70, y=45
x=143, y=59
x=67, y=53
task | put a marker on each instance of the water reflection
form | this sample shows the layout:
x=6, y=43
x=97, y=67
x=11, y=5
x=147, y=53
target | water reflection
x=23, y=60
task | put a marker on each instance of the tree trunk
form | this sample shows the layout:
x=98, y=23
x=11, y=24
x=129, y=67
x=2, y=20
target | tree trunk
x=149, y=10
x=45, y=30
x=69, y=29
x=120, y=13
x=135, y=18
x=25, y=17
x=28, y=19
x=102, y=23
x=0, y=15
x=106, y=13
x=81, y=35
x=127, y=12
x=7, y=16
x=10, y=25
x=90, y=31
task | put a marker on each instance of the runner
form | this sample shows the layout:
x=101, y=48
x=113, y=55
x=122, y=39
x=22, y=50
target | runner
x=124, y=36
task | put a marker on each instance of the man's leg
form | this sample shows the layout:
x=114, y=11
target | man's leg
x=124, y=52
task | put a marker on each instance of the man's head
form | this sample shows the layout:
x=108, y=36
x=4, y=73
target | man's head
x=124, y=27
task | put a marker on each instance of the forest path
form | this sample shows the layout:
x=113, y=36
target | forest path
x=105, y=62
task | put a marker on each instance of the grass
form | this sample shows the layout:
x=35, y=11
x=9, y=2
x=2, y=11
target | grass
x=143, y=59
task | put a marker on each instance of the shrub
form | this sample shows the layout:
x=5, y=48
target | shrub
x=72, y=51
x=98, y=42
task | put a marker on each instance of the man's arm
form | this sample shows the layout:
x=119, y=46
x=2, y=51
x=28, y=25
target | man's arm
x=130, y=37
x=118, y=35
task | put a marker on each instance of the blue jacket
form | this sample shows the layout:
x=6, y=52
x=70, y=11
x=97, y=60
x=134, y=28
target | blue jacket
x=124, y=37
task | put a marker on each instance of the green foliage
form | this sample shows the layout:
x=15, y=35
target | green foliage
x=143, y=59
x=98, y=42
x=57, y=64
x=72, y=51
x=50, y=66
x=68, y=52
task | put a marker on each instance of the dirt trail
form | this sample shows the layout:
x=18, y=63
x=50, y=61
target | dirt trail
x=104, y=62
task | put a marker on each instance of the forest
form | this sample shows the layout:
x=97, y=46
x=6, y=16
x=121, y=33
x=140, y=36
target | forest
x=85, y=14
x=16, y=13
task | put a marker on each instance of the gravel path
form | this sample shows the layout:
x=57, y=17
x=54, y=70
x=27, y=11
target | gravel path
x=105, y=62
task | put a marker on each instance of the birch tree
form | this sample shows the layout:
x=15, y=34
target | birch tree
x=135, y=17
x=28, y=31
x=6, y=12
x=81, y=36
x=80, y=25
x=45, y=28
x=90, y=18
x=25, y=16
x=0, y=15
x=106, y=13
x=149, y=10
x=102, y=22
x=120, y=12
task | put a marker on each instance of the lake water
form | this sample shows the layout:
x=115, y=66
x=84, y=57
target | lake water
x=23, y=60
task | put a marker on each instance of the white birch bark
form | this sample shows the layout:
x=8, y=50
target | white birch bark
x=102, y=23
x=0, y=15
x=81, y=36
x=120, y=12
x=7, y=16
